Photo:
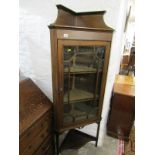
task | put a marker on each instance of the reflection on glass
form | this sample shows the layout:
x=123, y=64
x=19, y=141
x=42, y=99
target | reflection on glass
x=82, y=81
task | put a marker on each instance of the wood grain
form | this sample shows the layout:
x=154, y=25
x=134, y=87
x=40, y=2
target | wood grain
x=35, y=117
x=125, y=85
x=83, y=20
x=33, y=104
x=82, y=29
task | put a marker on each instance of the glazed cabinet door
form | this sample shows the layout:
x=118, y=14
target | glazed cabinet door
x=82, y=75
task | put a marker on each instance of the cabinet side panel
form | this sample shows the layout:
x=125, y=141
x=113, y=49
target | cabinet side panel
x=104, y=77
x=121, y=116
x=55, y=79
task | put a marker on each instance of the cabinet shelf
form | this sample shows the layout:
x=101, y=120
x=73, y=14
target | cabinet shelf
x=79, y=114
x=81, y=69
x=77, y=95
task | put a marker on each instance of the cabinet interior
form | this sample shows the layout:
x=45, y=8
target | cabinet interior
x=83, y=66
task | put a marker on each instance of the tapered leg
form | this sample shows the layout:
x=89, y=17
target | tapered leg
x=57, y=143
x=97, y=134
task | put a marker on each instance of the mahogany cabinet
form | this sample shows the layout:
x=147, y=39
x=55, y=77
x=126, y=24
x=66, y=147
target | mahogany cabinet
x=35, y=121
x=80, y=49
x=122, y=109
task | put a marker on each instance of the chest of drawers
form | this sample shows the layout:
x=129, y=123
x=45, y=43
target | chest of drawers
x=35, y=124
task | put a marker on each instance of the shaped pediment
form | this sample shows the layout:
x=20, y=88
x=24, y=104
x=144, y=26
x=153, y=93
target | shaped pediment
x=80, y=20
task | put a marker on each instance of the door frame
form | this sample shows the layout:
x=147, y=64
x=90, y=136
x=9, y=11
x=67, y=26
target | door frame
x=61, y=43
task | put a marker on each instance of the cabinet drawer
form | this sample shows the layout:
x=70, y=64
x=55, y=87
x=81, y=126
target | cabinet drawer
x=32, y=146
x=45, y=147
x=49, y=151
x=44, y=124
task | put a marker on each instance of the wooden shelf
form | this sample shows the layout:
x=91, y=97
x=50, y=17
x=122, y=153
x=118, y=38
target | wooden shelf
x=80, y=111
x=78, y=95
x=73, y=116
x=81, y=69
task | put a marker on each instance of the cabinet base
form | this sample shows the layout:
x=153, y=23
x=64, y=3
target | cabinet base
x=75, y=139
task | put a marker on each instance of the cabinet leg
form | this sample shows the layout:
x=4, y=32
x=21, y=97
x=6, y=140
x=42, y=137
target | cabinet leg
x=57, y=143
x=97, y=134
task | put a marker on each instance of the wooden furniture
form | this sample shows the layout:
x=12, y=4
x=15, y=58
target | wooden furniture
x=125, y=61
x=131, y=64
x=128, y=62
x=35, y=120
x=122, y=109
x=80, y=45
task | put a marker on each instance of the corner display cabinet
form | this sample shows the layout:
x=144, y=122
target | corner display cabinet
x=80, y=45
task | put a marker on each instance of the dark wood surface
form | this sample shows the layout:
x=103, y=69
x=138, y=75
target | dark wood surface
x=122, y=109
x=46, y=148
x=72, y=28
x=84, y=35
x=33, y=104
x=69, y=19
x=35, y=118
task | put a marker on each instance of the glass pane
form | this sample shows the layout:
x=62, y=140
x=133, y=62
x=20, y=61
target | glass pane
x=82, y=81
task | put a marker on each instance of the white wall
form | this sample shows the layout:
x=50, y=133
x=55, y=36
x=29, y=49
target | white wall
x=34, y=54
x=34, y=46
